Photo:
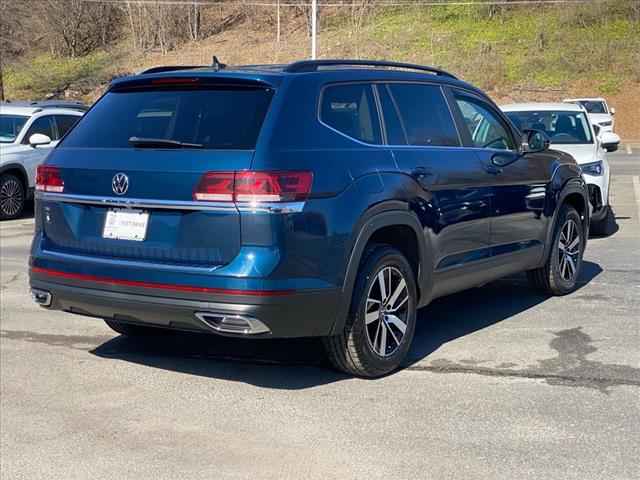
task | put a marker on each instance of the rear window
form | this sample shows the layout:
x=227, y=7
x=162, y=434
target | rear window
x=217, y=118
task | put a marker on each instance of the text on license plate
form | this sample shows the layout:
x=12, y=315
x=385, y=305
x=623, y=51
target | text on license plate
x=126, y=225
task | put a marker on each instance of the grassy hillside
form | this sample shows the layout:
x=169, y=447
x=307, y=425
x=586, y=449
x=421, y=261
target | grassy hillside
x=519, y=52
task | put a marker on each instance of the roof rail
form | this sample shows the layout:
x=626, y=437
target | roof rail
x=171, y=68
x=42, y=104
x=313, y=66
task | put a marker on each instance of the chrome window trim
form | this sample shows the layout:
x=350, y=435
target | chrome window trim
x=137, y=203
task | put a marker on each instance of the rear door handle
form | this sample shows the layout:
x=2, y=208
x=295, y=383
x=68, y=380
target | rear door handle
x=423, y=176
x=492, y=169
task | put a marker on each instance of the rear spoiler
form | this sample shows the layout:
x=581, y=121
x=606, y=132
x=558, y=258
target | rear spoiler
x=189, y=80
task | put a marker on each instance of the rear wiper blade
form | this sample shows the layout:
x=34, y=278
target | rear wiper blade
x=161, y=143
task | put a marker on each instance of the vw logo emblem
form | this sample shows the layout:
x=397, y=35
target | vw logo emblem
x=120, y=184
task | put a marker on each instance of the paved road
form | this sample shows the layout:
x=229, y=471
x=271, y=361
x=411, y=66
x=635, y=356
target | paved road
x=502, y=384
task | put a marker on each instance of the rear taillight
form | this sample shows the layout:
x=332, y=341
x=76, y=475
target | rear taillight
x=272, y=186
x=254, y=186
x=215, y=187
x=48, y=179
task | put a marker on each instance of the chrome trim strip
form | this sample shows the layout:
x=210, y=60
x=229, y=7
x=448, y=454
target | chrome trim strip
x=261, y=207
x=133, y=202
x=270, y=207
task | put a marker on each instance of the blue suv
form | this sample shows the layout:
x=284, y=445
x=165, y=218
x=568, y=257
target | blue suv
x=326, y=198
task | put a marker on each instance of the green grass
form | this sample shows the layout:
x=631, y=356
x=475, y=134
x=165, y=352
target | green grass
x=44, y=74
x=545, y=47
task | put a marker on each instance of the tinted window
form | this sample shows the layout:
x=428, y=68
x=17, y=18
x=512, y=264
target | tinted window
x=43, y=125
x=561, y=127
x=222, y=118
x=485, y=127
x=351, y=110
x=10, y=126
x=64, y=123
x=594, y=107
x=396, y=134
x=424, y=114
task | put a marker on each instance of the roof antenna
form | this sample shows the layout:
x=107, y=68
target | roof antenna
x=217, y=65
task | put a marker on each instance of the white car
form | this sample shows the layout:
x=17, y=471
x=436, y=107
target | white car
x=598, y=111
x=569, y=130
x=28, y=131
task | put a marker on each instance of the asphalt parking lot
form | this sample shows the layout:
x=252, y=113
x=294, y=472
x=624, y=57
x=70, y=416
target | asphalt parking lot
x=502, y=383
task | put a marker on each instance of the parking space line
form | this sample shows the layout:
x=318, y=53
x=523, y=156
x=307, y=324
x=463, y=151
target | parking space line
x=636, y=192
x=629, y=151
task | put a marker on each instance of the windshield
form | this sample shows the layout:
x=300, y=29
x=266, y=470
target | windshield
x=561, y=127
x=212, y=118
x=594, y=107
x=10, y=126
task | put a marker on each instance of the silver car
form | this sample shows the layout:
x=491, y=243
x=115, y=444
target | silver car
x=28, y=132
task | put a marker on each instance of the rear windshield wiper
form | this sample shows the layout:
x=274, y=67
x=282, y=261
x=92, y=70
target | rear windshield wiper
x=161, y=143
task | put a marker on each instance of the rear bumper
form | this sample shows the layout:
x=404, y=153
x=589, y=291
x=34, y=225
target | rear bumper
x=297, y=314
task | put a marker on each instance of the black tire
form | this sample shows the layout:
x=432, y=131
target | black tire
x=12, y=197
x=131, y=330
x=354, y=351
x=553, y=278
x=606, y=226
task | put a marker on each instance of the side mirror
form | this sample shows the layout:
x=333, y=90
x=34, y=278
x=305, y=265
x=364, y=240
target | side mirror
x=38, y=139
x=612, y=111
x=609, y=141
x=535, y=141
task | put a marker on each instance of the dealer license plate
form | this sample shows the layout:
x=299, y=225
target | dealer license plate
x=126, y=225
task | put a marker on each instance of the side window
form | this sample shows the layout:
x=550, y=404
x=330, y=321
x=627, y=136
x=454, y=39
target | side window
x=42, y=125
x=424, y=114
x=396, y=133
x=64, y=123
x=484, y=126
x=351, y=110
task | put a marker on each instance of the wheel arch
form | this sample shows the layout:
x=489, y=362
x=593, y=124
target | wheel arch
x=19, y=171
x=574, y=193
x=382, y=227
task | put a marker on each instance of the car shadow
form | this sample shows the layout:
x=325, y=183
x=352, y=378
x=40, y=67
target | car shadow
x=461, y=314
x=294, y=364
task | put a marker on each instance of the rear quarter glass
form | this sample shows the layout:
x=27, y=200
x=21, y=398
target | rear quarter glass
x=225, y=118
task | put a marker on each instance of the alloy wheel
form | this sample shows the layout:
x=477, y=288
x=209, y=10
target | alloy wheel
x=569, y=251
x=11, y=197
x=386, y=311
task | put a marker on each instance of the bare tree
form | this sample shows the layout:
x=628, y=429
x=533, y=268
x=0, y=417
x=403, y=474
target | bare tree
x=75, y=28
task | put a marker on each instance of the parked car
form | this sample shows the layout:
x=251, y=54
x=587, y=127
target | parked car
x=328, y=198
x=28, y=131
x=569, y=130
x=599, y=112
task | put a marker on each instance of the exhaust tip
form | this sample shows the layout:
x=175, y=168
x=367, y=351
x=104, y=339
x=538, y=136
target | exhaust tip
x=41, y=297
x=236, y=324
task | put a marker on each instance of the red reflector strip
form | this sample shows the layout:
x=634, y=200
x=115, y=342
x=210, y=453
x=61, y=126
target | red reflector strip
x=160, y=286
